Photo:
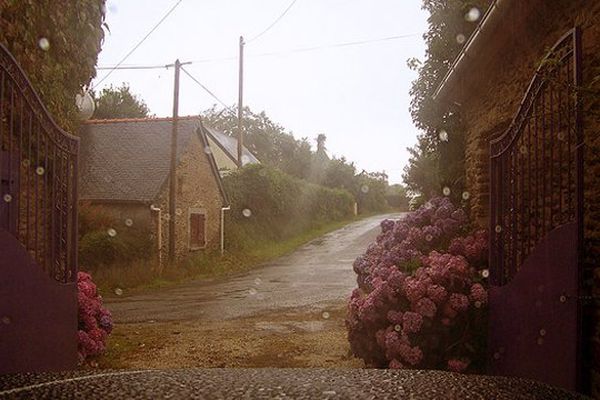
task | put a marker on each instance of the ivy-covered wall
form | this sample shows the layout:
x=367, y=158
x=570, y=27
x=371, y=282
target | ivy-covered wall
x=57, y=43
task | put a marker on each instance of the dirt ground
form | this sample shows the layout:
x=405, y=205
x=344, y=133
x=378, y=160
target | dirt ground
x=302, y=337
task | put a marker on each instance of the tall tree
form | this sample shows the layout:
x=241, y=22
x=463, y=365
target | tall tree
x=114, y=103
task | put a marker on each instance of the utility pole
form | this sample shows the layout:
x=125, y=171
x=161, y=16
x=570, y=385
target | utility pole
x=240, y=105
x=173, y=172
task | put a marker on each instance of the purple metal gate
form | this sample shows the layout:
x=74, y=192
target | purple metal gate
x=38, y=230
x=536, y=227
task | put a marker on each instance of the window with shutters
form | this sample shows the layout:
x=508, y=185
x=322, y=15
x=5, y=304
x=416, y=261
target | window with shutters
x=197, y=229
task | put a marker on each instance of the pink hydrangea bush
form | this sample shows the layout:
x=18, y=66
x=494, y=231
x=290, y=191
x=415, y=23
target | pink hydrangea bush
x=420, y=302
x=95, y=321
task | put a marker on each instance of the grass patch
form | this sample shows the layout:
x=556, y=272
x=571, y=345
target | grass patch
x=141, y=276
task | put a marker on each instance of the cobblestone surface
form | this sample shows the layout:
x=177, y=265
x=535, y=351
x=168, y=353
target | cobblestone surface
x=273, y=384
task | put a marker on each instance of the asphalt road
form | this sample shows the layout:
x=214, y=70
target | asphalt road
x=314, y=275
x=266, y=383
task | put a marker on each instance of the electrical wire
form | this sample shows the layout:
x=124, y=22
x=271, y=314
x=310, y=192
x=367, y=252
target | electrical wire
x=208, y=91
x=280, y=52
x=274, y=22
x=139, y=43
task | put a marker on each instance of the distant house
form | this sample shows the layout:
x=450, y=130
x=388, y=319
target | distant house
x=125, y=168
x=224, y=149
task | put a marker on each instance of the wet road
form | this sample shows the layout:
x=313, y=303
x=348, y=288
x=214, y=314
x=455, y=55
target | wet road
x=314, y=275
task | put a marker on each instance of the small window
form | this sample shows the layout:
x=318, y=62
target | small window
x=197, y=230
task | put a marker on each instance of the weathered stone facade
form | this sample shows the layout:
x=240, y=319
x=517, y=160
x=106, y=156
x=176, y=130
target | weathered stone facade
x=488, y=92
x=197, y=189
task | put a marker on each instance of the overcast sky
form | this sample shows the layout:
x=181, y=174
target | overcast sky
x=356, y=95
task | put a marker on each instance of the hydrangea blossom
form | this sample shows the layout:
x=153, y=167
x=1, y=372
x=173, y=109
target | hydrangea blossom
x=95, y=321
x=419, y=301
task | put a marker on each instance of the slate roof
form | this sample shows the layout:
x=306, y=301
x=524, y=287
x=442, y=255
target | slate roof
x=128, y=160
x=229, y=146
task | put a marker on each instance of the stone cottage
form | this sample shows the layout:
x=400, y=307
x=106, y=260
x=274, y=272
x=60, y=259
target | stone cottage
x=224, y=149
x=124, y=167
x=487, y=85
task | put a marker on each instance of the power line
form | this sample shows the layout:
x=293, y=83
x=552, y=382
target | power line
x=208, y=91
x=274, y=22
x=279, y=52
x=140, y=42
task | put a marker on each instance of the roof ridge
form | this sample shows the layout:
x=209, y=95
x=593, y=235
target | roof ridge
x=146, y=119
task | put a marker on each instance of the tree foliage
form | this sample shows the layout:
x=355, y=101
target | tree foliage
x=114, y=103
x=56, y=42
x=437, y=161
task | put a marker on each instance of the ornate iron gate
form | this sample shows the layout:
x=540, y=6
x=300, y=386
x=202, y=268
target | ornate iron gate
x=536, y=171
x=38, y=230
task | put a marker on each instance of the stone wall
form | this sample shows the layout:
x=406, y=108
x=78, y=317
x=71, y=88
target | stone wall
x=196, y=188
x=496, y=85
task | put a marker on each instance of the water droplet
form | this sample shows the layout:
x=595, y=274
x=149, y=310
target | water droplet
x=252, y=291
x=443, y=135
x=542, y=332
x=561, y=136
x=40, y=170
x=364, y=188
x=496, y=356
x=563, y=298
x=446, y=191
x=7, y=198
x=246, y=212
x=460, y=38
x=473, y=14
x=178, y=211
x=129, y=222
x=477, y=304
x=25, y=162
x=257, y=281
x=485, y=273
x=498, y=229
x=207, y=150
x=523, y=149
x=111, y=232
x=429, y=237
x=44, y=44
x=118, y=291
x=466, y=195
x=325, y=315
x=397, y=327
x=6, y=320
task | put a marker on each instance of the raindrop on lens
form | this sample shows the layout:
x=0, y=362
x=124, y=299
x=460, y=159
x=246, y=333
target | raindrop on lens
x=397, y=328
x=44, y=44
x=252, y=291
x=485, y=273
x=111, y=232
x=118, y=291
x=443, y=135
x=7, y=198
x=466, y=195
x=364, y=189
x=477, y=304
x=498, y=229
x=446, y=191
x=523, y=149
x=542, y=332
x=473, y=15
x=26, y=163
x=325, y=315
x=460, y=38
x=428, y=237
x=563, y=299
x=561, y=136
x=496, y=356
x=40, y=170
x=246, y=212
x=129, y=222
